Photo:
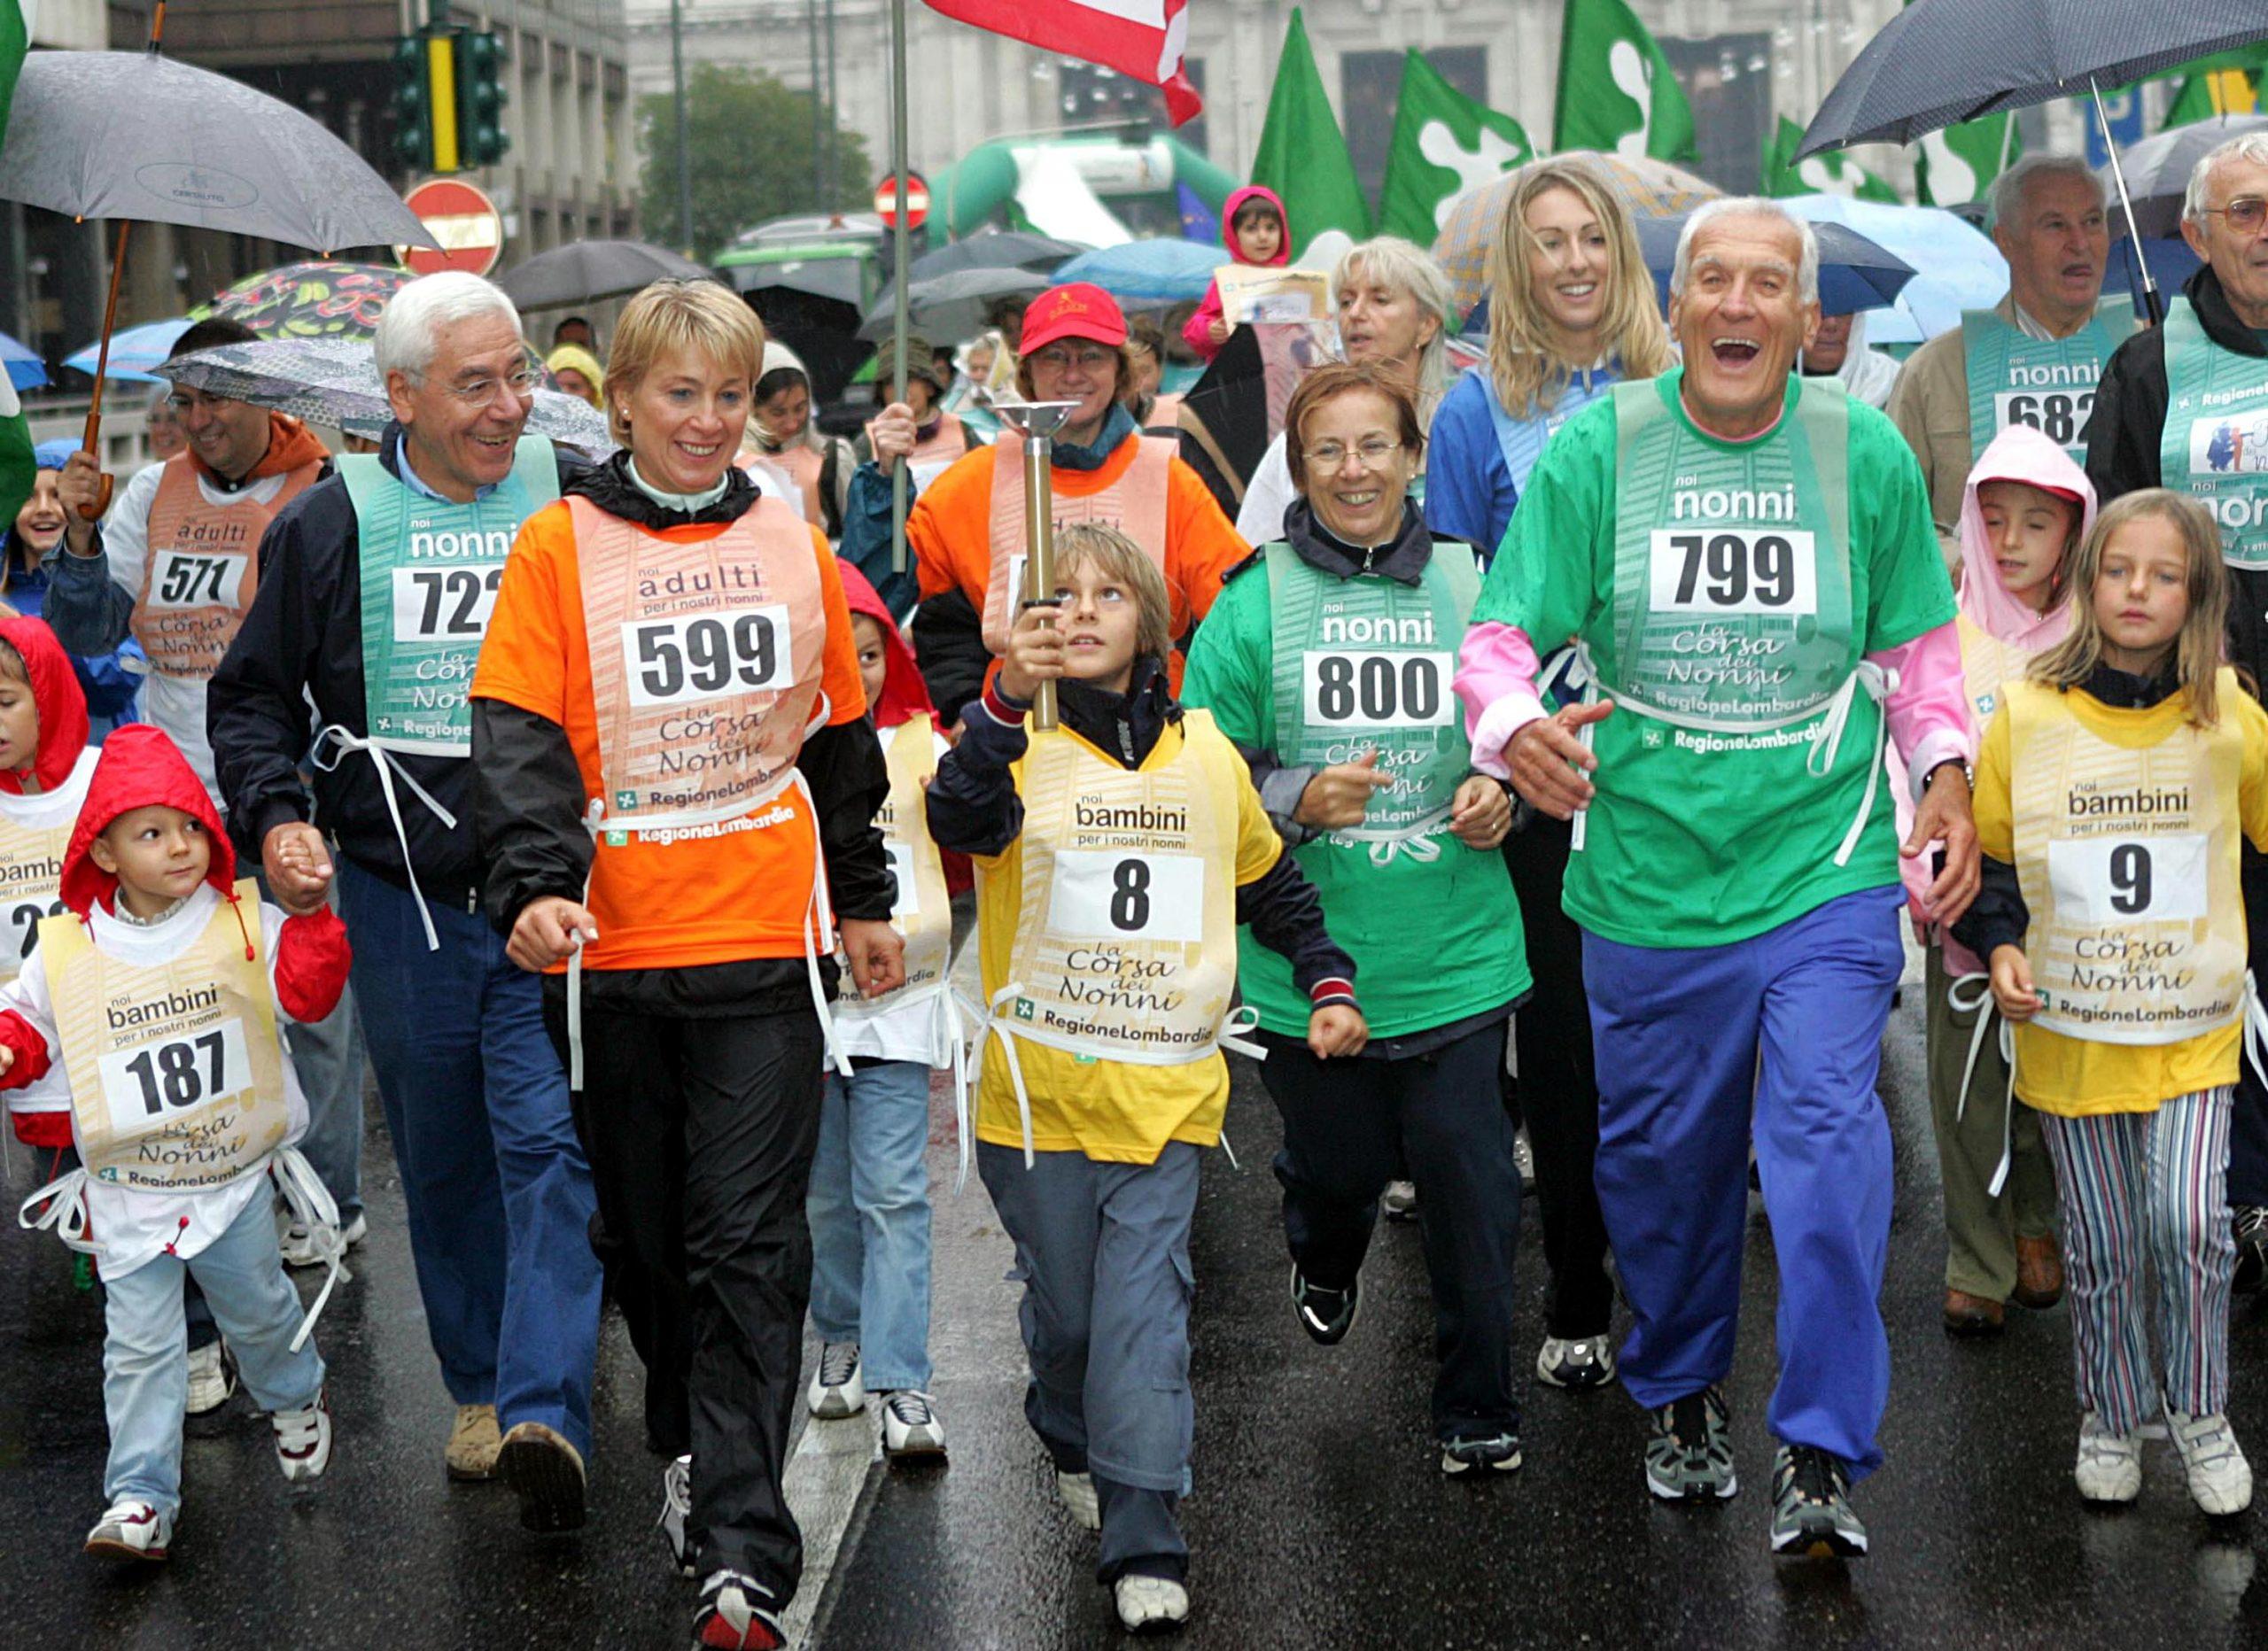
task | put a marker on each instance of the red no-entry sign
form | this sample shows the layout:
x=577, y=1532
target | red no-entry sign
x=917, y=200
x=464, y=220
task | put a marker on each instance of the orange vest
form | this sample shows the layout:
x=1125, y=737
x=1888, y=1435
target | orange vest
x=705, y=663
x=201, y=569
x=1134, y=504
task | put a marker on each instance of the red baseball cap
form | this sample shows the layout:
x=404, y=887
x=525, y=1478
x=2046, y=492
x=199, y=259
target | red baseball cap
x=1080, y=310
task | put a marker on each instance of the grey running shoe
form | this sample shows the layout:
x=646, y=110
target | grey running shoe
x=676, y=1508
x=1524, y=1158
x=1811, y=1506
x=1326, y=1315
x=1583, y=1361
x=1399, y=1201
x=1689, y=1454
x=1498, y=1453
x=2249, y=1224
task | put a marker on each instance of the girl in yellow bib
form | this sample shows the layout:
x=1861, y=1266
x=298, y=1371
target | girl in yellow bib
x=2116, y=783
x=1116, y=855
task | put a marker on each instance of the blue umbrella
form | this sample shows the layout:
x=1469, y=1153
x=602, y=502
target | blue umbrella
x=25, y=370
x=1165, y=270
x=133, y=352
x=1961, y=269
x=1855, y=273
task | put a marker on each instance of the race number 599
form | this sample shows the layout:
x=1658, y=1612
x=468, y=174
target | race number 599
x=1108, y=895
x=2106, y=882
x=144, y=1087
x=705, y=656
x=1733, y=570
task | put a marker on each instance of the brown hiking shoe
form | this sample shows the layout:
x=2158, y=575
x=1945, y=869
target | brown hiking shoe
x=1972, y=1315
x=473, y=1443
x=2039, y=1273
x=546, y=1472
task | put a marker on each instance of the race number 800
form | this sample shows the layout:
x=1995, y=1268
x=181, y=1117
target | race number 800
x=1733, y=570
x=705, y=656
x=1377, y=690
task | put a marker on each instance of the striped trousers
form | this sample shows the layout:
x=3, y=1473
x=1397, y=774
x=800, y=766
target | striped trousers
x=2154, y=1184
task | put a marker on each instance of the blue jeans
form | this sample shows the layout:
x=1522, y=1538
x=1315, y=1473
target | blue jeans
x=1779, y=1035
x=145, y=1353
x=869, y=1212
x=498, y=1191
x=328, y=1059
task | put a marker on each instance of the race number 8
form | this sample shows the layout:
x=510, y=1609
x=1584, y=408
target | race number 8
x=2109, y=882
x=1114, y=894
x=704, y=656
x=2059, y=415
x=1742, y=570
x=1381, y=690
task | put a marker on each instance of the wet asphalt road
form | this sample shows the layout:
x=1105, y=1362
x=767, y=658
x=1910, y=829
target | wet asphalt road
x=1319, y=1516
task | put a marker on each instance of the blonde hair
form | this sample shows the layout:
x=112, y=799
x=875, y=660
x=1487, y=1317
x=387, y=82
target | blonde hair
x=700, y=317
x=1118, y=557
x=1522, y=345
x=2198, y=649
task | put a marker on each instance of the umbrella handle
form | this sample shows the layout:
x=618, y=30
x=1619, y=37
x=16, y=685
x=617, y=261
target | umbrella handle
x=102, y=365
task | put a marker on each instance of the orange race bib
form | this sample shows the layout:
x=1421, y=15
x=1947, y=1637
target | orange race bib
x=203, y=564
x=1134, y=504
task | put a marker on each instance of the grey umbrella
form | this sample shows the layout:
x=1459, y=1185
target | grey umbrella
x=954, y=306
x=1941, y=62
x=1003, y=249
x=588, y=271
x=2158, y=168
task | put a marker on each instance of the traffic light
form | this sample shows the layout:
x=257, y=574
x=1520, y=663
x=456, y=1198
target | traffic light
x=481, y=97
x=412, y=136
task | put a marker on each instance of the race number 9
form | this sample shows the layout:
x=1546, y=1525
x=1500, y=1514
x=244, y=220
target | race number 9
x=2108, y=882
x=445, y=604
x=1380, y=690
x=2058, y=414
x=143, y=1087
x=704, y=656
x=1113, y=894
x=1733, y=570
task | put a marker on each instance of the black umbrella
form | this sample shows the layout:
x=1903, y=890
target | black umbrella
x=1003, y=249
x=1855, y=273
x=588, y=271
x=2157, y=170
x=953, y=306
x=1941, y=62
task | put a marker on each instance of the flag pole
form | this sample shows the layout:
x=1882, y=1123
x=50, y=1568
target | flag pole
x=898, y=243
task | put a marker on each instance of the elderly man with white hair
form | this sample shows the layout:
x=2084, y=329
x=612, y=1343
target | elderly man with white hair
x=2186, y=406
x=2031, y=358
x=375, y=590
x=1744, y=559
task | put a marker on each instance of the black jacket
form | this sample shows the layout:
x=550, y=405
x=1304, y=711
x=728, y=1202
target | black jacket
x=302, y=637
x=1999, y=916
x=974, y=806
x=2129, y=423
x=528, y=801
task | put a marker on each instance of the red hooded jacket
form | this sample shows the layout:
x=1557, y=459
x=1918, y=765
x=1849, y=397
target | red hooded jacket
x=904, y=695
x=61, y=702
x=141, y=768
x=1197, y=332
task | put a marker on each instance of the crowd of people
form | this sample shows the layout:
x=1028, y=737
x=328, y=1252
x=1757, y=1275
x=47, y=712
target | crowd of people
x=620, y=821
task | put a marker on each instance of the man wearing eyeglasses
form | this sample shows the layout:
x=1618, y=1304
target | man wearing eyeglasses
x=2031, y=358
x=374, y=594
x=2185, y=406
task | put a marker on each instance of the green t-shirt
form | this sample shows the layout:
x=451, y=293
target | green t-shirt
x=1697, y=838
x=1435, y=939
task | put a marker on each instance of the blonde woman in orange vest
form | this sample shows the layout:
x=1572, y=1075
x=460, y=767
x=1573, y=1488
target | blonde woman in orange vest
x=675, y=781
x=966, y=529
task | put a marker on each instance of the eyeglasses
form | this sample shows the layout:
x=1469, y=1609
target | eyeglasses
x=1056, y=358
x=1329, y=455
x=2246, y=214
x=479, y=393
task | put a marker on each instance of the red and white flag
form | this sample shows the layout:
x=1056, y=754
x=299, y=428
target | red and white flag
x=1144, y=39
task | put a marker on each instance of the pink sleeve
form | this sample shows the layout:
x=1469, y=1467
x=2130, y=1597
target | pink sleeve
x=1928, y=712
x=1197, y=332
x=1495, y=679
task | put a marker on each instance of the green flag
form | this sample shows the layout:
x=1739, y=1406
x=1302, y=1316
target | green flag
x=2211, y=94
x=1444, y=143
x=1958, y=164
x=16, y=16
x=1830, y=173
x=1302, y=154
x=1616, y=92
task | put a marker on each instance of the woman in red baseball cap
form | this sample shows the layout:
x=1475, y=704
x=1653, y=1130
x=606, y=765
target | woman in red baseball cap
x=968, y=525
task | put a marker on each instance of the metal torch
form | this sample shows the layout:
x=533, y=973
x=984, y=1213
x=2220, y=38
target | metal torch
x=1036, y=422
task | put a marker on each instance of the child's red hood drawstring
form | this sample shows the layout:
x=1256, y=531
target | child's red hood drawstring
x=140, y=768
x=62, y=704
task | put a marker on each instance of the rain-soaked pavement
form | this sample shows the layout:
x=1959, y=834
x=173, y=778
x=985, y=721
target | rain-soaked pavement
x=1319, y=1516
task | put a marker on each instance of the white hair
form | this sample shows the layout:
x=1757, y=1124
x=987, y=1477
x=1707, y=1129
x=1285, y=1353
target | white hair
x=409, y=329
x=2252, y=146
x=1395, y=262
x=1747, y=206
x=2006, y=197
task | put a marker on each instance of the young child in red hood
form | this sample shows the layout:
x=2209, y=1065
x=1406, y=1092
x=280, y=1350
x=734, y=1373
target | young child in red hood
x=158, y=994
x=868, y=1206
x=1255, y=231
x=45, y=763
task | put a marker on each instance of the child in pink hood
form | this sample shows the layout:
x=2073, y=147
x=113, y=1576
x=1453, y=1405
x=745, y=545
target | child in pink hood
x=1255, y=231
x=2025, y=511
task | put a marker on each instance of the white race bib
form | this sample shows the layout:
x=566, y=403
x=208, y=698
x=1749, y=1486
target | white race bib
x=2154, y=879
x=23, y=924
x=445, y=603
x=181, y=578
x=1349, y=689
x=908, y=903
x=2058, y=414
x=706, y=656
x=1733, y=570
x=1100, y=895
x=142, y=1086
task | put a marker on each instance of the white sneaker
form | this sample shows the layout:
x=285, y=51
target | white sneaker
x=1150, y=1604
x=1586, y=1361
x=2220, y=1479
x=2109, y=1468
x=677, y=1507
x=910, y=1425
x=212, y=1378
x=303, y=1439
x=838, y=1389
x=1077, y=1491
x=298, y=1242
x=131, y=1529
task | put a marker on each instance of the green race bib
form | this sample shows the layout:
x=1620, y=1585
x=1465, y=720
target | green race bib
x=430, y=573
x=2046, y=382
x=2215, y=442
